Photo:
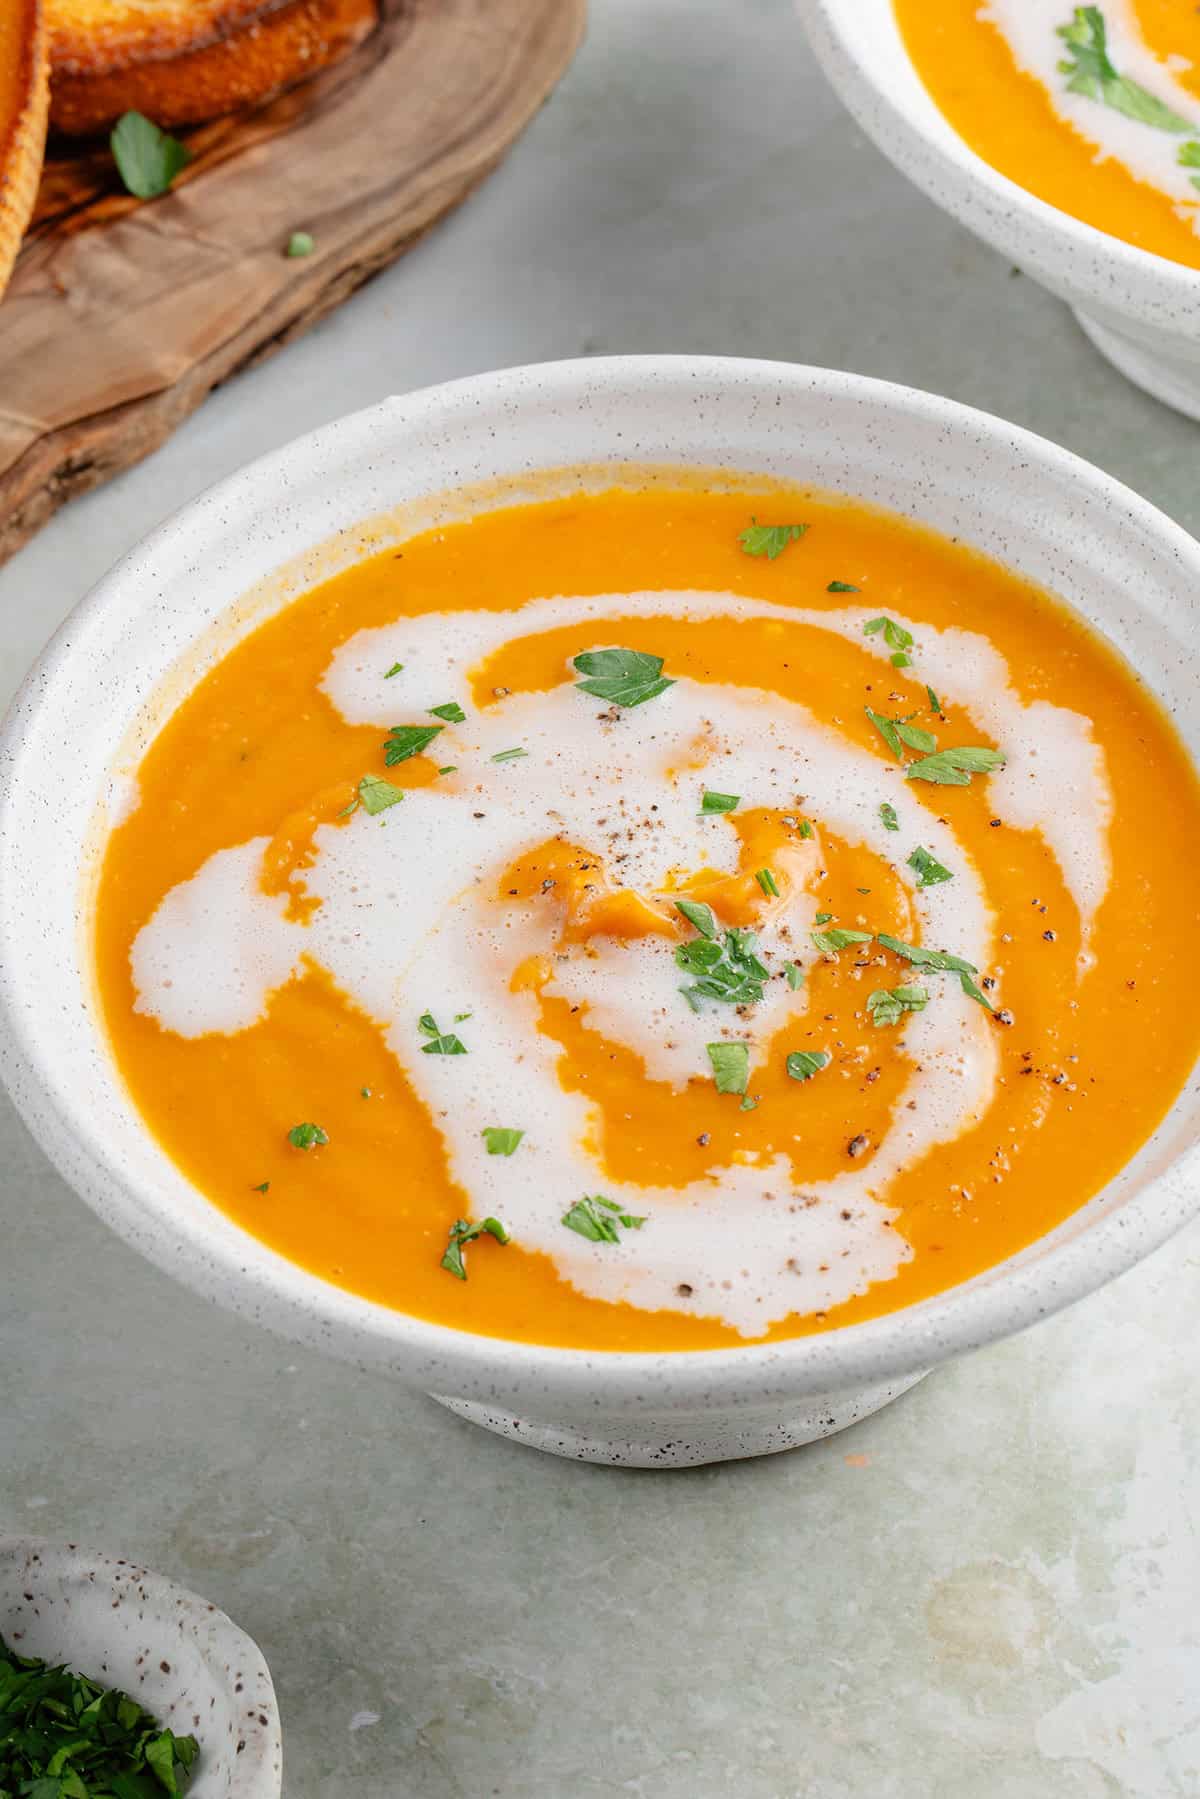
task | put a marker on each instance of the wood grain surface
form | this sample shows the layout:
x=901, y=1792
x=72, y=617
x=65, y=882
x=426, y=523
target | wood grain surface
x=122, y=315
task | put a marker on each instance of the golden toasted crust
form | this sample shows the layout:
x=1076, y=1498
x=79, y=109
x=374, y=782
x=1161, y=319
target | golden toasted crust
x=180, y=61
x=24, y=94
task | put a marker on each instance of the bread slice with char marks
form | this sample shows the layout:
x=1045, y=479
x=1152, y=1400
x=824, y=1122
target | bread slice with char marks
x=182, y=61
x=23, y=99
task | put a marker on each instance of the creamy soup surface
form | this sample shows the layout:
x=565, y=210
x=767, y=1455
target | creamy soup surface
x=1095, y=109
x=656, y=919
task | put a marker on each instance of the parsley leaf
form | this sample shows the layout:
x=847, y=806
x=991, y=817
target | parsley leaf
x=501, y=1141
x=823, y=917
x=698, y=915
x=795, y=976
x=718, y=802
x=461, y=1233
x=397, y=668
x=806, y=829
x=1093, y=75
x=802, y=1064
x=889, y=1006
x=888, y=815
x=263, y=1187
x=623, y=677
x=840, y=587
x=929, y=870
x=509, y=755
x=728, y=971
x=63, y=1736
x=769, y=540
x=898, y=731
x=939, y=959
x=730, y=1066
x=954, y=768
x=408, y=740
x=935, y=705
x=376, y=795
x=452, y=712
x=442, y=1043
x=305, y=1136
x=300, y=243
x=767, y=882
x=894, y=635
x=147, y=159
x=597, y=1218
x=830, y=942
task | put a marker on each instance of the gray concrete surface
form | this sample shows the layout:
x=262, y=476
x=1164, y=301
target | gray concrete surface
x=988, y=1591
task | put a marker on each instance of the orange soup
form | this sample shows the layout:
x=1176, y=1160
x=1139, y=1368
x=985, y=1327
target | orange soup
x=656, y=919
x=1093, y=109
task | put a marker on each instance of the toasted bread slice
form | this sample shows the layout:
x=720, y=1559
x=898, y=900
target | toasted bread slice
x=180, y=61
x=23, y=98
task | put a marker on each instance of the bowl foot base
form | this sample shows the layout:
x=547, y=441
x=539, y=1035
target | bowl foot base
x=687, y=1441
x=1171, y=377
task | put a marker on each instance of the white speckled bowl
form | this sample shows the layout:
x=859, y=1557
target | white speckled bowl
x=173, y=1652
x=1141, y=311
x=190, y=590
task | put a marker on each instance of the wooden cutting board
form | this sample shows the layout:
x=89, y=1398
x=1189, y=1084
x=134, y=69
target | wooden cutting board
x=122, y=315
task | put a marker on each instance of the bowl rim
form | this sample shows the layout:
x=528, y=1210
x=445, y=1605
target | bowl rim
x=257, y=1282
x=257, y=1771
x=1118, y=276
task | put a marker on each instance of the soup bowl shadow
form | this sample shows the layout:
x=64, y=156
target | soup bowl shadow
x=239, y=553
x=1141, y=311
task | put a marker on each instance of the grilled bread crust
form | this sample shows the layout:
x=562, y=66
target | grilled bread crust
x=24, y=94
x=181, y=61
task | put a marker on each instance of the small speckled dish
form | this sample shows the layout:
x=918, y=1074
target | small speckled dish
x=173, y=1652
x=238, y=554
x=1141, y=311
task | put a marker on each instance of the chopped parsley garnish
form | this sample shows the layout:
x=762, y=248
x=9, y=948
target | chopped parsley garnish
x=623, y=677
x=397, y=668
x=954, y=767
x=1189, y=156
x=769, y=540
x=728, y=971
x=442, y=1043
x=830, y=942
x=597, y=1218
x=718, y=802
x=374, y=794
x=699, y=915
x=928, y=869
x=730, y=1066
x=509, y=755
x=795, y=975
x=263, y=1187
x=451, y=768
x=823, y=917
x=898, y=640
x=888, y=815
x=306, y=1136
x=300, y=243
x=840, y=587
x=938, y=959
x=935, y=705
x=802, y=1064
x=63, y=1736
x=898, y=731
x=408, y=740
x=1093, y=75
x=806, y=829
x=452, y=712
x=147, y=159
x=767, y=882
x=889, y=1006
x=461, y=1233
x=501, y=1141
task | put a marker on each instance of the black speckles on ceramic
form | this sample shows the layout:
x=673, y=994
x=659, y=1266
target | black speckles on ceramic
x=177, y=603
x=172, y=1651
x=1141, y=311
